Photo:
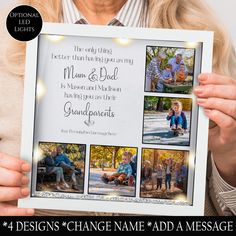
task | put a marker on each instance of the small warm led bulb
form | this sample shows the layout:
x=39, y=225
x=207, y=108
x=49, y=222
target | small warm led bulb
x=123, y=41
x=41, y=89
x=191, y=162
x=181, y=198
x=38, y=155
x=191, y=44
x=112, y=195
x=55, y=38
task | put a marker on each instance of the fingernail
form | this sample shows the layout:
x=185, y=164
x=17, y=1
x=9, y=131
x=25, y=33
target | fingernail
x=201, y=100
x=198, y=89
x=24, y=180
x=25, y=167
x=30, y=211
x=207, y=111
x=201, y=77
x=25, y=191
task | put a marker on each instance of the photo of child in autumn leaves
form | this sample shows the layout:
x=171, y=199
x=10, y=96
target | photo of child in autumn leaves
x=112, y=170
x=164, y=174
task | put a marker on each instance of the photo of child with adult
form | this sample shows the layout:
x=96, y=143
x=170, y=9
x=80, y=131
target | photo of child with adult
x=169, y=70
x=164, y=174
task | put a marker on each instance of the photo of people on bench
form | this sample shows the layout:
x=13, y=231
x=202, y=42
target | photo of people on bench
x=61, y=167
x=169, y=70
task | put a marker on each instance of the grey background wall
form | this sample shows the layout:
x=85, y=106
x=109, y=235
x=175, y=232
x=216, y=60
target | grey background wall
x=225, y=10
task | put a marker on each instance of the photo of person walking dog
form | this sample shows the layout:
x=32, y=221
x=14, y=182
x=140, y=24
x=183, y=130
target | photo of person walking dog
x=113, y=170
x=169, y=70
x=164, y=174
x=60, y=167
x=167, y=121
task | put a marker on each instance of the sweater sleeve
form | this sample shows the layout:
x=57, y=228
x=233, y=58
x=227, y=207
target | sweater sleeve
x=129, y=171
x=222, y=194
x=118, y=169
x=168, y=117
x=66, y=159
x=153, y=69
x=185, y=123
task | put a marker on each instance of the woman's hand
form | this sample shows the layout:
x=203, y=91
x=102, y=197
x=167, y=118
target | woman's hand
x=13, y=183
x=217, y=95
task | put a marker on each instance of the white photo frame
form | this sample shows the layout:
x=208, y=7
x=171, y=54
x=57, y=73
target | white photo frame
x=45, y=119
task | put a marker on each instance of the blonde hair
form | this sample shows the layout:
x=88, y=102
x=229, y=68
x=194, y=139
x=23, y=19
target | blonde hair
x=146, y=162
x=177, y=103
x=173, y=14
x=128, y=155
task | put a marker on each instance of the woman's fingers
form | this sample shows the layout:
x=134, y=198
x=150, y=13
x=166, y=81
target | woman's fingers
x=13, y=193
x=218, y=91
x=228, y=107
x=216, y=79
x=225, y=122
x=218, y=86
x=10, y=210
x=13, y=163
x=12, y=178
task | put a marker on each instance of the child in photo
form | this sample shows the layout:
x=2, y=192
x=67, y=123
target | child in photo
x=181, y=74
x=168, y=173
x=165, y=78
x=123, y=172
x=159, y=176
x=167, y=74
x=177, y=117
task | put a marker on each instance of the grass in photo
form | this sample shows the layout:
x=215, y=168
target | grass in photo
x=164, y=174
x=169, y=70
x=61, y=167
x=113, y=170
x=167, y=121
